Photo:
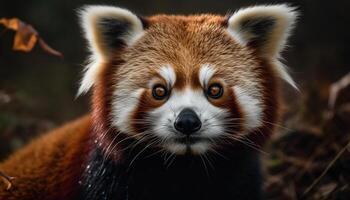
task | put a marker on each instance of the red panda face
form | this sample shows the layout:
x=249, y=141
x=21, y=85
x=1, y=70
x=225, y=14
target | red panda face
x=189, y=84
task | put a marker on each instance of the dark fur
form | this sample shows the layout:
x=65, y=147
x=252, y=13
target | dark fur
x=112, y=30
x=237, y=176
x=261, y=28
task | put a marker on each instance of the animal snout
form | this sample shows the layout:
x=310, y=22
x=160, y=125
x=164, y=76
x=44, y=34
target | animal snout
x=187, y=122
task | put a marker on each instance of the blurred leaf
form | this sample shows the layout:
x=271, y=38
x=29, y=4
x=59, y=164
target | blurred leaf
x=48, y=49
x=26, y=37
x=340, y=93
x=10, y=23
x=7, y=180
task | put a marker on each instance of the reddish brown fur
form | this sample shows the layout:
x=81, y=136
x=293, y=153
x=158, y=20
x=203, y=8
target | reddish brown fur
x=272, y=100
x=50, y=165
x=187, y=43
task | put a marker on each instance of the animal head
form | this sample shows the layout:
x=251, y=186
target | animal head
x=187, y=84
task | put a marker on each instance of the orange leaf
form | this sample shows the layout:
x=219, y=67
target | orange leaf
x=26, y=37
x=7, y=179
x=12, y=24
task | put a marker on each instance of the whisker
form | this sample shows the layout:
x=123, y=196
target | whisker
x=172, y=160
x=138, y=154
x=205, y=166
x=257, y=148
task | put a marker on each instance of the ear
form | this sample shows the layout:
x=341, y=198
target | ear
x=265, y=29
x=107, y=29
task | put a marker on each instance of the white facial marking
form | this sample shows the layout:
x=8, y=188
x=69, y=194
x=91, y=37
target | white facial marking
x=205, y=74
x=215, y=120
x=168, y=73
x=200, y=148
x=252, y=107
x=177, y=148
x=123, y=105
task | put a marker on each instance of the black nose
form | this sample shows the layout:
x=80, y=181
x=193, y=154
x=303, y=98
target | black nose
x=187, y=122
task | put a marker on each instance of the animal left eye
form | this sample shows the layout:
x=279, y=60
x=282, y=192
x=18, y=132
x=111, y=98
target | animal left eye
x=159, y=92
x=215, y=91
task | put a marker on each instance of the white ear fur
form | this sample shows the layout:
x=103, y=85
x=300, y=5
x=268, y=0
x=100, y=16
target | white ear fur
x=106, y=29
x=267, y=29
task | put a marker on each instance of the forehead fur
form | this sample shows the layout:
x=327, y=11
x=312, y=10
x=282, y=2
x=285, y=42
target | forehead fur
x=186, y=43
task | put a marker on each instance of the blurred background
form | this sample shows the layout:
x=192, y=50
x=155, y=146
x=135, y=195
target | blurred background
x=308, y=158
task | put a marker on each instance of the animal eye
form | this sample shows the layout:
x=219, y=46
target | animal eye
x=159, y=92
x=215, y=91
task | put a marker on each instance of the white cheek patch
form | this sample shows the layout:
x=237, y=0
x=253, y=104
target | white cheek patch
x=168, y=73
x=123, y=105
x=205, y=74
x=252, y=107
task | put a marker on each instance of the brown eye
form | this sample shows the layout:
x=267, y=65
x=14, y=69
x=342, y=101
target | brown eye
x=159, y=92
x=215, y=91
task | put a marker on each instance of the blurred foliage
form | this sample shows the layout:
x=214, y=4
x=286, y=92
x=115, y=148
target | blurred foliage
x=311, y=158
x=26, y=36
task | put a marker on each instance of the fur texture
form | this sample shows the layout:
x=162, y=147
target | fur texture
x=187, y=178
x=51, y=166
x=130, y=148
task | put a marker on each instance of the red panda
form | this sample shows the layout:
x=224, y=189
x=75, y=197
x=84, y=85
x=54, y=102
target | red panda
x=180, y=108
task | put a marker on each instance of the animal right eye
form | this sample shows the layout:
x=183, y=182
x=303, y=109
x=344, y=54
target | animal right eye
x=215, y=91
x=159, y=92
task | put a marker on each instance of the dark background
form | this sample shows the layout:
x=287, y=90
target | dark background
x=37, y=90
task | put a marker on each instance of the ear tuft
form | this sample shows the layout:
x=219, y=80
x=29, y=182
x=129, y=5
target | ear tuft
x=265, y=28
x=107, y=30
